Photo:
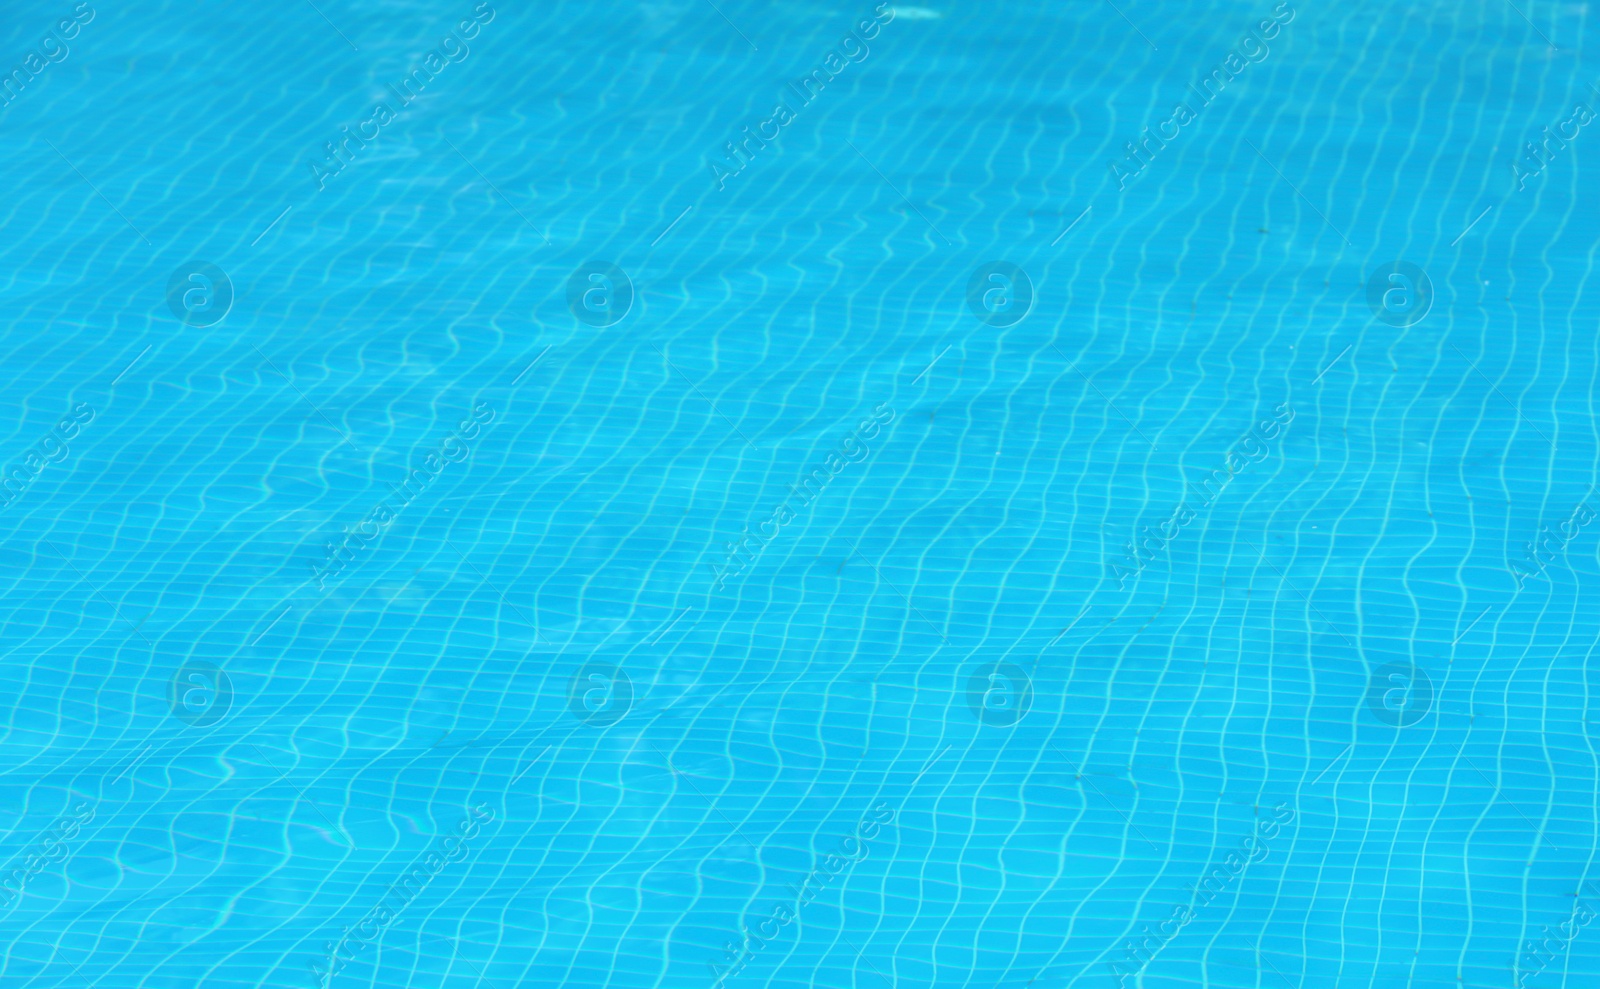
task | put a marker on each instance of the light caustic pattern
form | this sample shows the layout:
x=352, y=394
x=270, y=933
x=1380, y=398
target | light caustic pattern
x=774, y=494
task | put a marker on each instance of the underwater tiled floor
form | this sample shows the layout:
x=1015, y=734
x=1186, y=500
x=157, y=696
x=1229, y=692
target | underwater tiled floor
x=762, y=493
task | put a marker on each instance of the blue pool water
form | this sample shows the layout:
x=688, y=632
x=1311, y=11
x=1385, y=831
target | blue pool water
x=468, y=524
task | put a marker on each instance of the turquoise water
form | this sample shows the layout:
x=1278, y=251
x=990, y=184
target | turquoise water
x=935, y=543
